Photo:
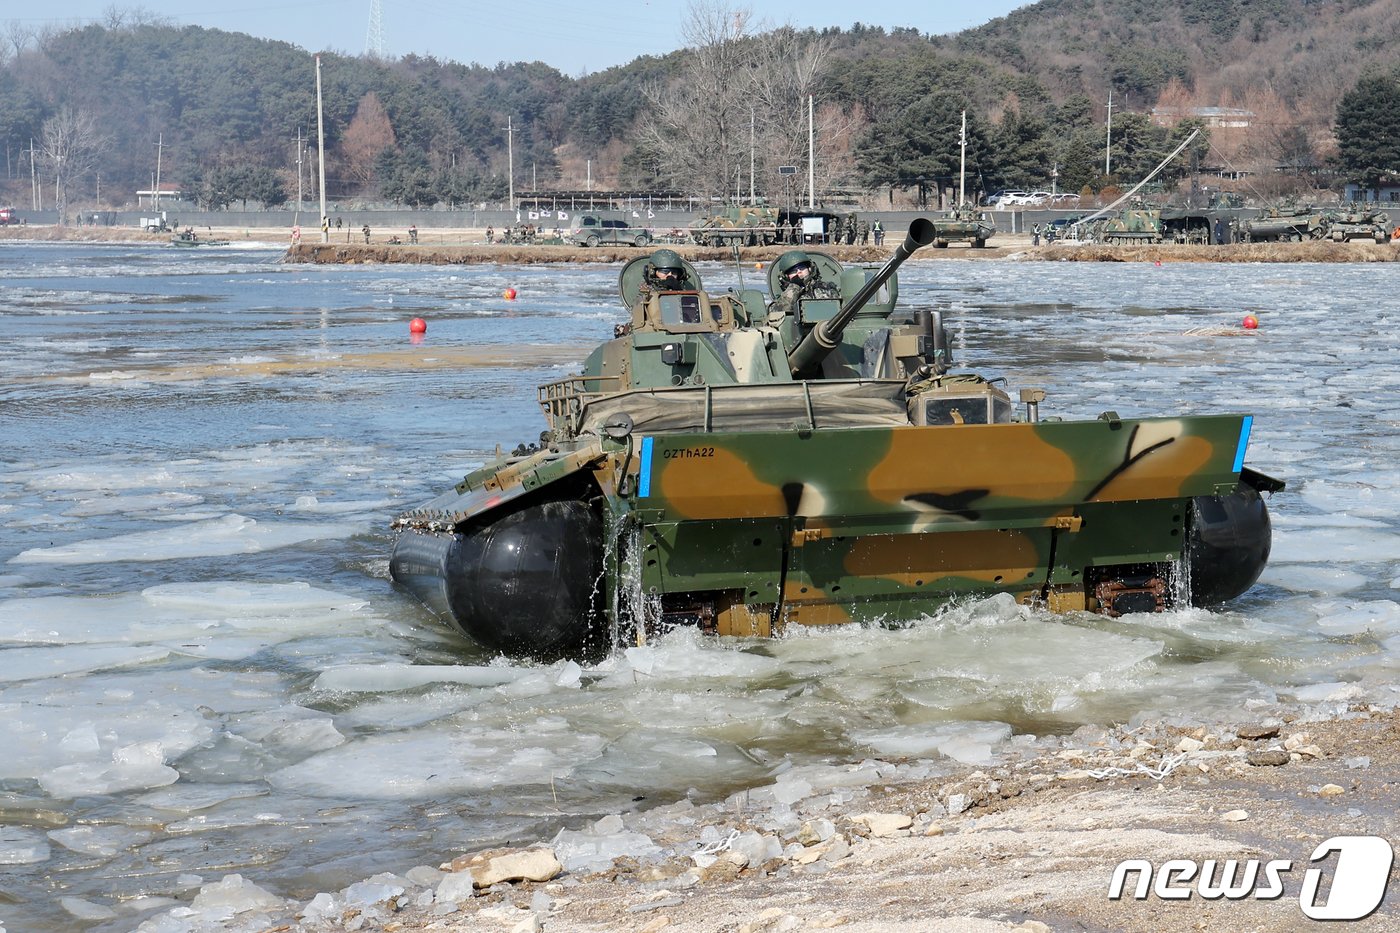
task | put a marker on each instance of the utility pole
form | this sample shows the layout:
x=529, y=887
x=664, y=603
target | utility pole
x=321, y=156
x=1108, y=140
x=160, y=145
x=510, y=159
x=33, y=179
x=962, y=165
x=298, y=169
x=752, y=199
x=811, y=156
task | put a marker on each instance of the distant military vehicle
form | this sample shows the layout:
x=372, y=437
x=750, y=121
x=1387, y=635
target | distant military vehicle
x=964, y=224
x=737, y=225
x=590, y=229
x=1359, y=222
x=1195, y=225
x=1133, y=225
x=1280, y=224
x=721, y=466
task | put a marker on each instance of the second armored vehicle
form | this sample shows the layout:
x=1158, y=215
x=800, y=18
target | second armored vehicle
x=737, y=225
x=1358, y=222
x=1285, y=224
x=1133, y=225
x=743, y=466
x=963, y=225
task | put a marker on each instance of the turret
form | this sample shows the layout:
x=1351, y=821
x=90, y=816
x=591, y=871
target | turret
x=807, y=356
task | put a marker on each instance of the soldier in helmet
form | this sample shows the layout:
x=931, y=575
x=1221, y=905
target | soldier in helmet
x=798, y=278
x=665, y=272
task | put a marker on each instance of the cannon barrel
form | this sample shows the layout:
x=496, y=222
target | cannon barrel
x=822, y=339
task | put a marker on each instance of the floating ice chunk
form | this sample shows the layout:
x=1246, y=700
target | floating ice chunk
x=131, y=505
x=242, y=599
x=133, y=767
x=221, y=537
x=434, y=762
x=233, y=895
x=291, y=728
x=22, y=846
x=313, y=505
x=189, y=798
x=1379, y=615
x=966, y=742
x=384, y=678
x=1301, y=578
x=100, y=841
x=585, y=851
x=86, y=910
x=1334, y=546
x=36, y=663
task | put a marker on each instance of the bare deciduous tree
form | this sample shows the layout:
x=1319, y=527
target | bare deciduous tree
x=69, y=142
x=732, y=85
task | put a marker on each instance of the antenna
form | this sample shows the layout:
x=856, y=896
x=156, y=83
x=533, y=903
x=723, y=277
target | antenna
x=374, y=39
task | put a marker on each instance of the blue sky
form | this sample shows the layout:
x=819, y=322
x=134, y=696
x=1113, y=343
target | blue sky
x=572, y=35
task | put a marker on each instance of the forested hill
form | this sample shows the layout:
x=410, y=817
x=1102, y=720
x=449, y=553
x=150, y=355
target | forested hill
x=222, y=111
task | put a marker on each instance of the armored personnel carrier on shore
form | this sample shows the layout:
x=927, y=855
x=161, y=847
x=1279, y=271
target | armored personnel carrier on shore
x=742, y=467
x=737, y=225
x=1285, y=224
x=1358, y=222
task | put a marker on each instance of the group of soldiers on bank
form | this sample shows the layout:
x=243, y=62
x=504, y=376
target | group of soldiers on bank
x=849, y=230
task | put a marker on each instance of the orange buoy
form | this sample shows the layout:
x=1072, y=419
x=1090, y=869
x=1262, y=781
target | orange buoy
x=417, y=326
x=508, y=294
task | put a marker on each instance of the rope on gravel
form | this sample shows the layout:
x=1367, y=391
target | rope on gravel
x=723, y=845
x=1167, y=766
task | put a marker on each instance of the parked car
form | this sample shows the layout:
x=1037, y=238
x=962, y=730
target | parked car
x=8, y=216
x=595, y=229
x=1003, y=198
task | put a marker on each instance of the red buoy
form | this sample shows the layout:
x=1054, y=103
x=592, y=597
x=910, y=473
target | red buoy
x=1250, y=322
x=508, y=294
x=417, y=326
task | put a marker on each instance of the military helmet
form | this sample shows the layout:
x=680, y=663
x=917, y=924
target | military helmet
x=793, y=257
x=666, y=259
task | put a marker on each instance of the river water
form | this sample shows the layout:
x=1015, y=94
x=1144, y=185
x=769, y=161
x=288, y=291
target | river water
x=204, y=669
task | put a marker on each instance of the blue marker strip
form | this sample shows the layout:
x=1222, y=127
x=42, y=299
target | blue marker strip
x=1244, y=441
x=644, y=474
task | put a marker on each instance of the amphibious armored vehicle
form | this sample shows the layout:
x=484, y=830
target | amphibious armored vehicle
x=743, y=467
x=963, y=225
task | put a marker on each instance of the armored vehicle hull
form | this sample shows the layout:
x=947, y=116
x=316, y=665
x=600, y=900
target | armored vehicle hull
x=963, y=226
x=1285, y=225
x=744, y=469
x=1359, y=224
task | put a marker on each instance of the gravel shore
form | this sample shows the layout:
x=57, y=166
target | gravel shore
x=1027, y=841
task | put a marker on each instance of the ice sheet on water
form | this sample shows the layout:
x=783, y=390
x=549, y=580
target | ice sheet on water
x=191, y=798
x=18, y=664
x=19, y=846
x=1334, y=546
x=1369, y=499
x=100, y=841
x=1378, y=616
x=132, y=767
x=968, y=742
x=178, y=611
x=1302, y=578
x=312, y=504
x=131, y=505
x=442, y=759
x=389, y=677
x=221, y=537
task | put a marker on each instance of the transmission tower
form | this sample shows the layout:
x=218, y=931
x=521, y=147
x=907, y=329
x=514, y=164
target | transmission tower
x=374, y=40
